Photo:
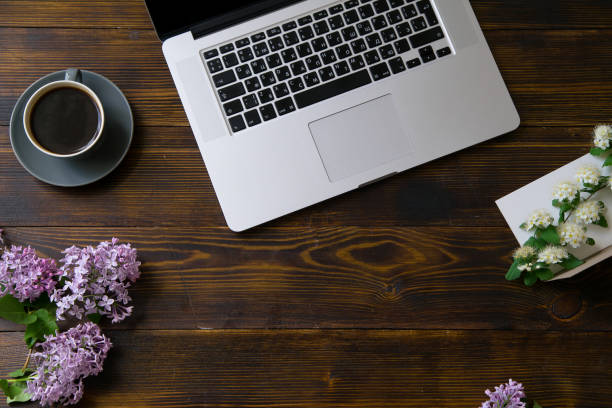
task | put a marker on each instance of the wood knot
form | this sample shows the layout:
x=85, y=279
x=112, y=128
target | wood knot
x=567, y=306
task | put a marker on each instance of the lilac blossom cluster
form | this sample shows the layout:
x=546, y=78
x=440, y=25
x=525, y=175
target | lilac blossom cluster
x=96, y=280
x=25, y=275
x=505, y=396
x=64, y=361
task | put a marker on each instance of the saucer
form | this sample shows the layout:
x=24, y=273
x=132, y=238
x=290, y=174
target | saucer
x=93, y=165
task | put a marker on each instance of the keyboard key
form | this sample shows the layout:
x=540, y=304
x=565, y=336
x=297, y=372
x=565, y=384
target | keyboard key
x=396, y=3
x=359, y=46
x=387, y=51
x=343, y=51
x=231, y=92
x=311, y=79
x=313, y=62
x=273, y=60
x=409, y=11
x=224, y=78
x=320, y=14
x=226, y=48
x=265, y=95
x=336, y=9
x=402, y=46
x=242, y=43
x=379, y=22
x=303, y=50
x=403, y=29
x=245, y=54
x=289, y=26
x=258, y=66
x=261, y=49
x=431, y=17
x=252, y=84
x=321, y=27
x=443, y=52
x=413, y=63
x=296, y=85
x=394, y=17
x=267, y=78
x=288, y=55
x=276, y=43
x=388, y=35
x=380, y=71
x=230, y=60
x=250, y=101
x=349, y=33
x=364, y=28
x=373, y=40
x=298, y=68
x=237, y=123
x=371, y=57
x=306, y=33
x=233, y=107
x=331, y=89
x=291, y=38
x=319, y=44
x=351, y=17
x=336, y=22
x=381, y=6
x=418, y=24
x=397, y=65
x=328, y=57
x=243, y=71
x=252, y=118
x=305, y=20
x=282, y=73
x=280, y=90
x=427, y=54
x=334, y=38
x=326, y=73
x=424, y=5
x=258, y=37
x=214, y=65
x=350, y=4
x=210, y=54
x=365, y=11
x=356, y=62
x=426, y=37
x=267, y=112
x=273, y=31
x=341, y=68
x=285, y=106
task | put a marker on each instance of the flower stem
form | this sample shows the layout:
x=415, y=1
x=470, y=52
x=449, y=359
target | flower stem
x=25, y=365
x=569, y=214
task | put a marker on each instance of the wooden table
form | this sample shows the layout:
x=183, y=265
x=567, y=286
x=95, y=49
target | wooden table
x=393, y=295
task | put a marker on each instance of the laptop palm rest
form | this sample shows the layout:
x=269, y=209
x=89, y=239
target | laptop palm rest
x=360, y=138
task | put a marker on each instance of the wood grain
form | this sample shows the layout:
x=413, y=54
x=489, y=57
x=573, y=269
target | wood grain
x=423, y=278
x=352, y=368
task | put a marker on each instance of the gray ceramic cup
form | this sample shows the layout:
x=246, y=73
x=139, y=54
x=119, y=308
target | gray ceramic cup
x=73, y=79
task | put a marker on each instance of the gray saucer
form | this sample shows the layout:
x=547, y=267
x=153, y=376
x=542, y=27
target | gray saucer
x=96, y=163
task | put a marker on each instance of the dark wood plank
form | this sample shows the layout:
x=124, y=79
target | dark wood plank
x=426, y=278
x=540, y=67
x=163, y=181
x=352, y=368
x=492, y=14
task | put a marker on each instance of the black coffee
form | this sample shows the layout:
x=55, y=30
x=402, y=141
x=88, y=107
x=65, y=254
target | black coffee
x=65, y=120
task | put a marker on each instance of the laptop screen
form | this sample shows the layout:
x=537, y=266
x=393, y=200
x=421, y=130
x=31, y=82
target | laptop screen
x=173, y=17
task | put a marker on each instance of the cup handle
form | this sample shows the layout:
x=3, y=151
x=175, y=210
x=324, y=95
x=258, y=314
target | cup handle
x=74, y=74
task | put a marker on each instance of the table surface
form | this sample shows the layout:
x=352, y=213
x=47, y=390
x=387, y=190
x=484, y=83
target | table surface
x=392, y=295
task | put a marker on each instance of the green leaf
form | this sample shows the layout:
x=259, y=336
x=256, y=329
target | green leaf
x=590, y=241
x=608, y=161
x=536, y=405
x=523, y=226
x=95, y=317
x=513, y=273
x=602, y=222
x=556, y=203
x=11, y=309
x=43, y=302
x=550, y=235
x=530, y=278
x=15, y=391
x=571, y=262
x=4, y=386
x=44, y=325
x=21, y=373
x=536, y=243
x=596, y=151
x=545, y=274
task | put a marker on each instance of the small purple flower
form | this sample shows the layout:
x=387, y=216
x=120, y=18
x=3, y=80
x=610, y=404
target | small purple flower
x=25, y=275
x=96, y=280
x=505, y=396
x=64, y=361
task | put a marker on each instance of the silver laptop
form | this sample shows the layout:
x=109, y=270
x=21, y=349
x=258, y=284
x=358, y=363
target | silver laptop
x=294, y=102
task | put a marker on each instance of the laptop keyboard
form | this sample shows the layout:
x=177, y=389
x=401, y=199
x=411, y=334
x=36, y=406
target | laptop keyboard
x=298, y=63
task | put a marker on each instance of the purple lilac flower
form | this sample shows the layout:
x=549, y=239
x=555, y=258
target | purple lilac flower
x=64, y=361
x=505, y=396
x=96, y=280
x=25, y=275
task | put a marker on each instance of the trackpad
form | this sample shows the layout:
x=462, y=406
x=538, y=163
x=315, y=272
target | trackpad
x=360, y=138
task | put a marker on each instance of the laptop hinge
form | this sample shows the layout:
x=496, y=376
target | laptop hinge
x=238, y=16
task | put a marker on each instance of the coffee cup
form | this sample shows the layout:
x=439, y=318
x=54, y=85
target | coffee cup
x=64, y=118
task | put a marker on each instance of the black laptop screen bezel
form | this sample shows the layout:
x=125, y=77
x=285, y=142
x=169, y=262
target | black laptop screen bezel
x=169, y=23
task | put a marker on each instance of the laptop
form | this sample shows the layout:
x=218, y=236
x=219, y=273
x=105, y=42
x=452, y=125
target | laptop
x=295, y=102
